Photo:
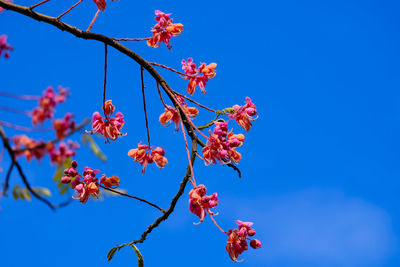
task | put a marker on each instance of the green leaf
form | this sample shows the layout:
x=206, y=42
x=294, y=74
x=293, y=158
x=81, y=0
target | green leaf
x=138, y=255
x=111, y=253
x=15, y=192
x=59, y=174
x=88, y=139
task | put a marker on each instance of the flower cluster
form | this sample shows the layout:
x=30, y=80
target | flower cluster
x=199, y=203
x=61, y=126
x=23, y=141
x=164, y=30
x=4, y=46
x=2, y=9
x=244, y=114
x=58, y=155
x=101, y=4
x=197, y=77
x=109, y=127
x=171, y=114
x=237, y=240
x=47, y=103
x=87, y=184
x=145, y=154
x=221, y=145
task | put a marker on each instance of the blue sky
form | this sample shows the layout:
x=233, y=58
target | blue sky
x=320, y=165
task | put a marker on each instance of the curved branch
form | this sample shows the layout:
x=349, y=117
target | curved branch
x=105, y=40
x=6, y=183
x=137, y=198
x=19, y=168
x=77, y=128
x=173, y=201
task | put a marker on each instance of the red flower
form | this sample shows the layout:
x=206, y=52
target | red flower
x=164, y=30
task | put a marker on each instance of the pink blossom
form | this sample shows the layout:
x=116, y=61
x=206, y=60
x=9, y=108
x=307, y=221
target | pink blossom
x=164, y=30
x=60, y=154
x=47, y=103
x=4, y=46
x=61, y=126
x=221, y=145
x=197, y=77
x=85, y=185
x=24, y=142
x=101, y=4
x=244, y=114
x=109, y=127
x=171, y=114
x=146, y=155
x=199, y=203
x=237, y=240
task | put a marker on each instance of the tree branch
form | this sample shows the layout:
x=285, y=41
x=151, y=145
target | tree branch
x=173, y=201
x=19, y=168
x=105, y=40
x=77, y=128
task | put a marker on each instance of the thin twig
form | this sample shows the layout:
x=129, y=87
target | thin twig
x=200, y=105
x=192, y=180
x=59, y=17
x=24, y=97
x=131, y=39
x=38, y=4
x=20, y=171
x=211, y=123
x=105, y=80
x=77, y=128
x=23, y=128
x=161, y=98
x=7, y=181
x=23, y=112
x=173, y=201
x=94, y=19
x=171, y=69
x=137, y=198
x=144, y=105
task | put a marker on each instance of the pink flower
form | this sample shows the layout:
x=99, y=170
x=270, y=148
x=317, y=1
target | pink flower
x=87, y=184
x=23, y=141
x=61, y=126
x=60, y=154
x=145, y=155
x=171, y=114
x=2, y=9
x=4, y=46
x=109, y=182
x=199, y=203
x=197, y=77
x=255, y=243
x=221, y=145
x=244, y=114
x=47, y=103
x=109, y=127
x=237, y=240
x=164, y=30
x=101, y=4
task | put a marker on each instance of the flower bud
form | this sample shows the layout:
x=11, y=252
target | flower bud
x=74, y=164
x=65, y=179
x=251, y=232
x=255, y=243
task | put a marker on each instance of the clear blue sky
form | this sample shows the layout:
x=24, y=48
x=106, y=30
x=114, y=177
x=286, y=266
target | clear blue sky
x=321, y=164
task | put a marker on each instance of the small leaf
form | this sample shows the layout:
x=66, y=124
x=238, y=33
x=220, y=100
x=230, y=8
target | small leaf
x=138, y=255
x=15, y=192
x=111, y=253
x=87, y=139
